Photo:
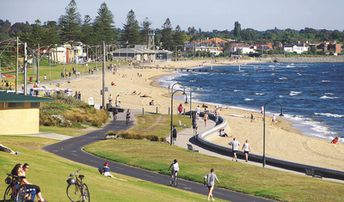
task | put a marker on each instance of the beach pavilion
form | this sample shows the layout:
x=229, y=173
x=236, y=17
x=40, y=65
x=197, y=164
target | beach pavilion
x=19, y=114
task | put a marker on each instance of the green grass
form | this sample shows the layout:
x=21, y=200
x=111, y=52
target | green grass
x=235, y=176
x=50, y=173
x=63, y=130
x=158, y=124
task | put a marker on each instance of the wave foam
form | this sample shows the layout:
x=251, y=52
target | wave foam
x=248, y=99
x=329, y=115
x=328, y=97
x=259, y=94
x=294, y=93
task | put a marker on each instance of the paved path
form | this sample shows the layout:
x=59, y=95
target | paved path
x=72, y=149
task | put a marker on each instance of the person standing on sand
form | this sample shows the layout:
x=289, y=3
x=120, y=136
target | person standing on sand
x=235, y=147
x=246, y=148
x=209, y=181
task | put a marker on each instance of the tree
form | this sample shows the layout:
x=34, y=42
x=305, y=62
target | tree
x=87, y=31
x=103, y=25
x=50, y=34
x=145, y=30
x=179, y=38
x=70, y=23
x=237, y=30
x=167, y=35
x=131, y=29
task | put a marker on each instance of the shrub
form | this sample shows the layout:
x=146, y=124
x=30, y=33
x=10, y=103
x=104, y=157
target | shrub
x=131, y=135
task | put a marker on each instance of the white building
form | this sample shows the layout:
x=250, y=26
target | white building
x=298, y=48
x=209, y=49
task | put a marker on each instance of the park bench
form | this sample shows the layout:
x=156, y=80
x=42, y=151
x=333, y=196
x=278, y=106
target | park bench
x=313, y=173
x=190, y=147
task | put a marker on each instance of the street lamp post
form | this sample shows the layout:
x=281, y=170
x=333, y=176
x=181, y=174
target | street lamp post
x=171, y=123
x=281, y=114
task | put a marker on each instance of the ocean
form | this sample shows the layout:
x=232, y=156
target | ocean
x=311, y=95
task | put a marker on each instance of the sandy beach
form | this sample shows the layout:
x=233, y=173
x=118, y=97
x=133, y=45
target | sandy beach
x=137, y=87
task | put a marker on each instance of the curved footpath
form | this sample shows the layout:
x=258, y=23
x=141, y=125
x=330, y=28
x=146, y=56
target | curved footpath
x=72, y=149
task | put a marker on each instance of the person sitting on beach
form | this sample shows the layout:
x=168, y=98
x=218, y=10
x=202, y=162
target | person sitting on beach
x=222, y=133
x=252, y=118
x=151, y=103
x=335, y=140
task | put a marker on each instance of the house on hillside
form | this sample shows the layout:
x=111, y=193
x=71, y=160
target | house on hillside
x=19, y=113
x=296, y=48
x=66, y=53
x=214, y=46
x=141, y=53
x=240, y=48
x=330, y=47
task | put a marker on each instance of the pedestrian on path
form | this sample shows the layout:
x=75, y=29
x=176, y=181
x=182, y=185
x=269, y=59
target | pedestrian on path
x=209, y=181
x=246, y=148
x=205, y=118
x=180, y=108
x=235, y=147
x=174, y=134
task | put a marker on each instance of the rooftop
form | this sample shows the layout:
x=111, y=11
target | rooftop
x=12, y=97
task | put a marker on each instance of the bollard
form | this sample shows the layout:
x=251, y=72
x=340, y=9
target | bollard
x=169, y=111
x=184, y=112
x=156, y=110
x=143, y=111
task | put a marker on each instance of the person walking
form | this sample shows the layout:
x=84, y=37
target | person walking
x=174, y=134
x=209, y=181
x=180, y=108
x=205, y=118
x=235, y=147
x=128, y=116
x=110, y=100
x=174, y=167
x=246, y=148
x=198, y=111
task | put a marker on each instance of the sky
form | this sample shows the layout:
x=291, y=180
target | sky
x=204, y=14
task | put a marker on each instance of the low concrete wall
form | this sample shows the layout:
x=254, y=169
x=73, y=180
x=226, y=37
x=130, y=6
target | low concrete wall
x=221, y=123
x=19, y=121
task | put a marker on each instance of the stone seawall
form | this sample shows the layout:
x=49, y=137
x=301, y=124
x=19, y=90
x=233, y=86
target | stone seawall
x=308, y=59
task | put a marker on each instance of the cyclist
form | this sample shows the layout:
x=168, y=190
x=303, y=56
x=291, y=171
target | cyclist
x=174, y=167
x=29, y=187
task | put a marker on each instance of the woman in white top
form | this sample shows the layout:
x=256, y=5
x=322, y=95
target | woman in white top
x=246, y=148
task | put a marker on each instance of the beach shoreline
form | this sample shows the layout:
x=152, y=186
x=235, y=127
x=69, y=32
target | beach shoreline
x=283, y=141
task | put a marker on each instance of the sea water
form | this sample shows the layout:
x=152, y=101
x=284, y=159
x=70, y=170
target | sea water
x=311, y=95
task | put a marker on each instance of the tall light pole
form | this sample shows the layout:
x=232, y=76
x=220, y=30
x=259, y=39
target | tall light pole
x=281, y=114
x=103, y=77
x=171, y=123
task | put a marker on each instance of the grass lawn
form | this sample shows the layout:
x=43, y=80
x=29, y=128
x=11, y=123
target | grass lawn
x=240, y=177
x=158, y=124
x=64, y=131
x=50, y=173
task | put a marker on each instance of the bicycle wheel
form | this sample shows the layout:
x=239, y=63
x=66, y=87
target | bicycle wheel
x=8, y=196
x=85, y=193
x=73, y=193
x=21, y=195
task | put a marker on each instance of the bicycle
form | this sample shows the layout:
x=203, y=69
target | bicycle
x=77, y=190
x=16, y=192
x=174, y=178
